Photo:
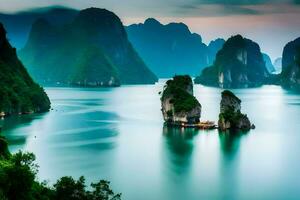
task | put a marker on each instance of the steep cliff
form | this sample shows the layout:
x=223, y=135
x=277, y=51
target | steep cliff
x=54, y=54
x=178, y=103
x=289, y=52
x=18, y=93
x=239, y=64
x=290, y=75
x=230, y=117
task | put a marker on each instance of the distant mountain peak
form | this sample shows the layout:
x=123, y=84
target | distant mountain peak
x=152, y=21
x=94, y=12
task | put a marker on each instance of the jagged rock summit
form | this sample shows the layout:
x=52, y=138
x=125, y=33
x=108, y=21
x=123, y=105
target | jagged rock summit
x=178, y=103
x=230, y=117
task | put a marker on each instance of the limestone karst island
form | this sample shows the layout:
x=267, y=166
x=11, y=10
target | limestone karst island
x=149, y=100
x=181, y=108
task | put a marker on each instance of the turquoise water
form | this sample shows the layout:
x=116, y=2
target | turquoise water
x=117, y=134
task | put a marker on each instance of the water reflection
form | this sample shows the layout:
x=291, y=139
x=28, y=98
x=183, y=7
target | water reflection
x=17, y=122
x=180, y=147
x=230, y=142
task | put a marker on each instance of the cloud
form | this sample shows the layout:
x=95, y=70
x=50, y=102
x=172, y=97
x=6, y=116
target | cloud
x=246, y=2
x=236, y=7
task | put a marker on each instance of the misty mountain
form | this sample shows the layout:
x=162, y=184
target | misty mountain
x=268, y=62
x=18, y=25
x=213, y=48
x=278, y=64
x=171, y=49
x=92, y=50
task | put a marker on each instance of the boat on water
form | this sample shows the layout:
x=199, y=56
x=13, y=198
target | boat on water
x=205, y=125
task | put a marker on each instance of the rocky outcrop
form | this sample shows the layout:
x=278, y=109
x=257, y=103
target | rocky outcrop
x=290, y=75
x=92, y=50
x=239, y=64
x=230, y=117
x=19, y=94
x=171, y=49
x=178, y=103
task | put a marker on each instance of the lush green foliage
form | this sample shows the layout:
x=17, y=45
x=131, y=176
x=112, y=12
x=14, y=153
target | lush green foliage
x=93, y=67
x=229, y=115
x=177, y=90
x=18, y=92
x=18, y=181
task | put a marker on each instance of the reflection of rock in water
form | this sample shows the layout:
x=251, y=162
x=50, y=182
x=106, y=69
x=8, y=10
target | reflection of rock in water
x=180, y=147
x=230, y=142
x=13, y=122
x=229, y=164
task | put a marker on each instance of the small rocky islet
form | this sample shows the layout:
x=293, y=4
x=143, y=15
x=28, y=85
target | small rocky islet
x=181, y=108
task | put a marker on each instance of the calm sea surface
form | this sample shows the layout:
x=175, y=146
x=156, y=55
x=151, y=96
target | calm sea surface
x=118, y=134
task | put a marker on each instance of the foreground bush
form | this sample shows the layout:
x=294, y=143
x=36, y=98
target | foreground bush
x=18, y=181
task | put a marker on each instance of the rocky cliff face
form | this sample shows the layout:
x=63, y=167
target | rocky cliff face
x=239, y=64
x=18, y=93
x=170, y=49
x=290, y=75
x=59, y=54
x=230, y=117
x=178, y=103
x=289, y=53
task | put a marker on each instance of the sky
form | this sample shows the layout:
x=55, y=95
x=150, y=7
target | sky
x=271, y=23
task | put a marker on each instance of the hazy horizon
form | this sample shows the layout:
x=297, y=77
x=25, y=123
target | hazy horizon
x=270, y=23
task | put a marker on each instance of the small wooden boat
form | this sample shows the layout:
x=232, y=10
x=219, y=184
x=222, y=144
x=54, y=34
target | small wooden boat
x=201, y=125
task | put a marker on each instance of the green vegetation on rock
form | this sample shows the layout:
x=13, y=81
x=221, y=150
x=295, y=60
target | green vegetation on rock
x=177, y=89
x=230, y=117
x=18, y=92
